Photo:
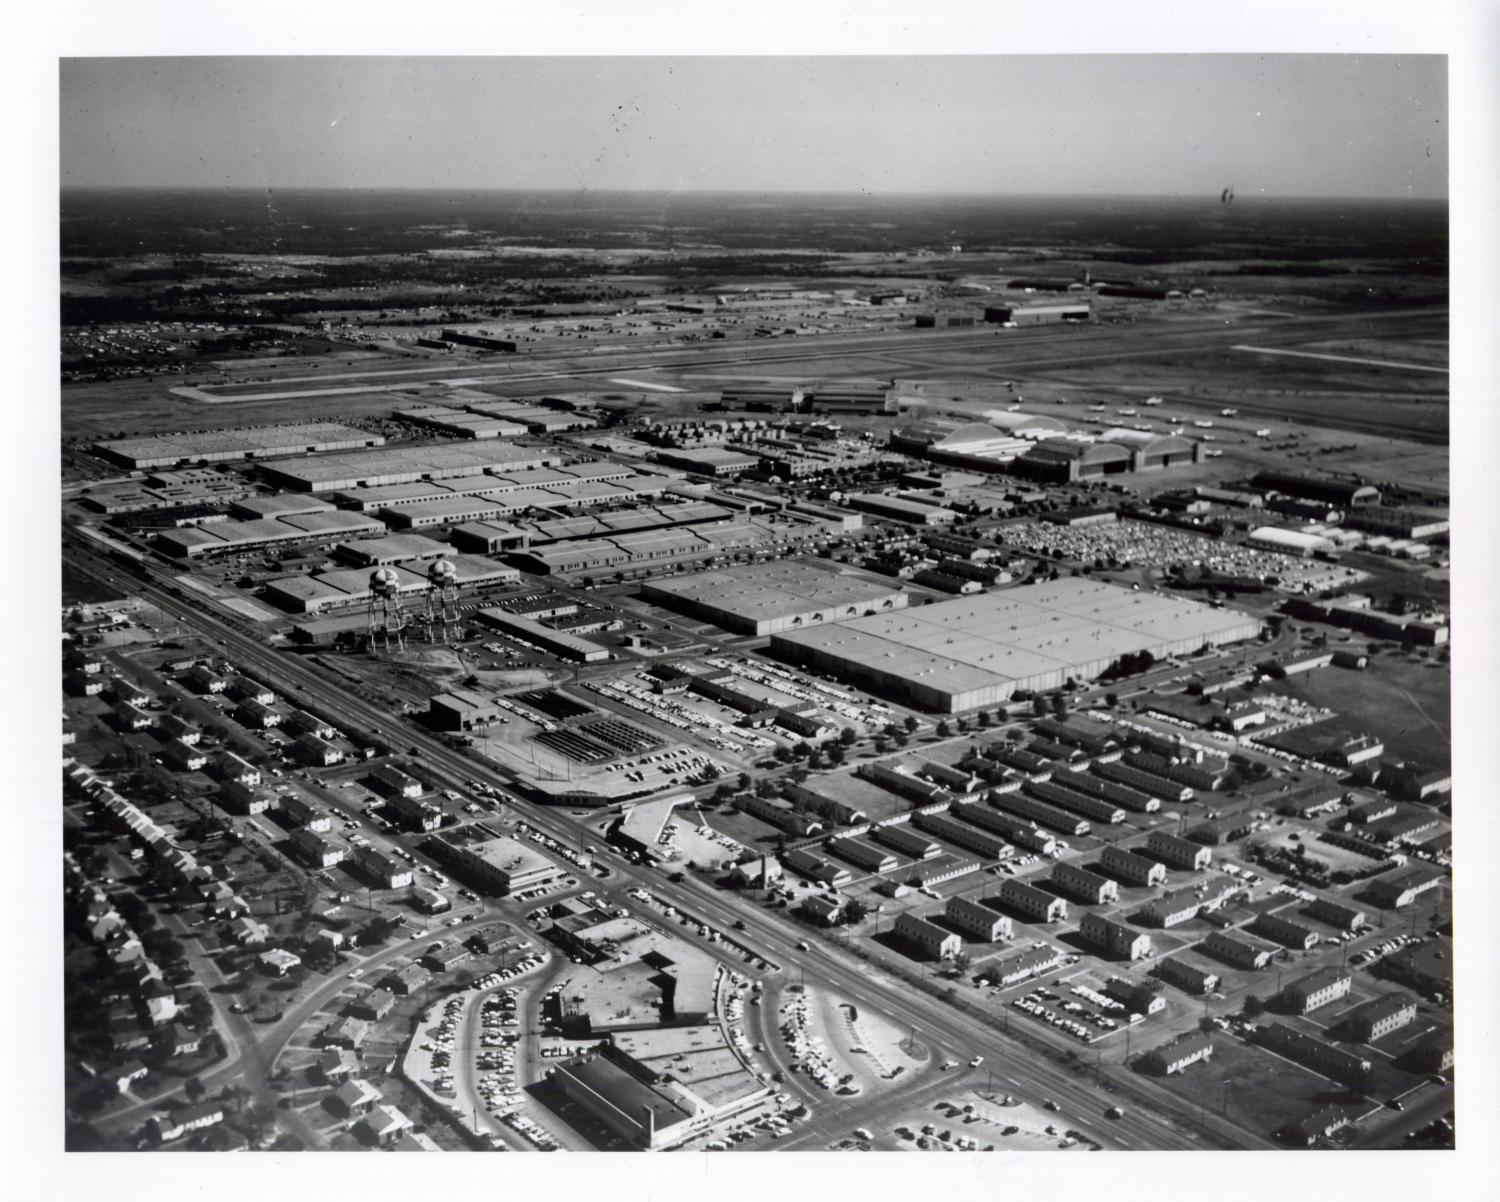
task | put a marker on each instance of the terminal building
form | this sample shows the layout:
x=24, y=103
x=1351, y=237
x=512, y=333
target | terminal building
x=769, y=598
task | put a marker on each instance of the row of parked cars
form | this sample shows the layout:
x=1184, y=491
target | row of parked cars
x=1032, y=1005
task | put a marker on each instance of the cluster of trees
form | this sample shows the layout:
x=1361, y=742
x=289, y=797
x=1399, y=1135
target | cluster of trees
x=1132, y=663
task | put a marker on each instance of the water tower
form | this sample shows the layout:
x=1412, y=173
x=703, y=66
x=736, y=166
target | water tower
x=442, y=598
x=385, y=619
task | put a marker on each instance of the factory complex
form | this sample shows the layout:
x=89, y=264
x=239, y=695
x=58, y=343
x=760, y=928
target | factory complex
x=219, y=446
x=404, y=465
x=981, y=650
x=770, y=598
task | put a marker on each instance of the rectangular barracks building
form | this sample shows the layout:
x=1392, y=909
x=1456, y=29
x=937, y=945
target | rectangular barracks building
x=980, y=650
x=770, y=598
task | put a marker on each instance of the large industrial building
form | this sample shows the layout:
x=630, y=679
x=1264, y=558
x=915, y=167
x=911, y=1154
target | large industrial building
x=1037, y=315
x=342, y=588
x=501, y=865
x=1114, y=452
x=772, y=597
x=708, y=461
x=983, y=446
x=225, y=538
x=980, y=650
x=218, y=446
x=1342, y=493
x=404, y=465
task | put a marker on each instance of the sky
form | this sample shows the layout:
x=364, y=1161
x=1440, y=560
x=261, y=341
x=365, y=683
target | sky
x=1275, y=125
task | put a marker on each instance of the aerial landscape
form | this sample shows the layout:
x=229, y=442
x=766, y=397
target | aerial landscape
x=798, y=665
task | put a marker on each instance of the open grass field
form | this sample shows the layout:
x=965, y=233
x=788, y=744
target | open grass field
x=1406, y=703
x=1254, y=1087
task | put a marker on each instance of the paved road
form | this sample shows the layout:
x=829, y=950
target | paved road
x=957, y=1035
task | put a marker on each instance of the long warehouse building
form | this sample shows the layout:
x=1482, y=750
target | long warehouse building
x=772, y=597
x=980, y=650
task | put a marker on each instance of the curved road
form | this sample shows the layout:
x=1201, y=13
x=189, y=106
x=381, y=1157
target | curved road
x=956, y=1035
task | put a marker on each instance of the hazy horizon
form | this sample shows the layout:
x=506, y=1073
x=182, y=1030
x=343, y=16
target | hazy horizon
x=1278, y=125
x=852, y=194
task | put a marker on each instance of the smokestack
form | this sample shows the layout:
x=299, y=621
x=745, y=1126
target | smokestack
x=650, y=1125
x=765, y=871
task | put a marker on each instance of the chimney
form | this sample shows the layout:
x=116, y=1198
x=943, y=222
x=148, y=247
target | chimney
x=650, y=1125
x=764, y=872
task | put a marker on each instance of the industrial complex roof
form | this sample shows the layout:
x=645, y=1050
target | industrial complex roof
x=971, y=641
x=766, y=590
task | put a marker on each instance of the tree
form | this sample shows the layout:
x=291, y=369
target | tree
x=943, y=729
x=194, y=1088
x=1254, y=1006
x=1059, y=706
x=855, y=911
x=835, y=754
x=1039, y=706
x=744, y=782
x=983, y=719
x=911, y=724
x=962, y=961
x=847, y=737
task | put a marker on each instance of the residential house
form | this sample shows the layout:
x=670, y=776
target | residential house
x=385, y=1125
x=168, y=1127
x=355, y=1097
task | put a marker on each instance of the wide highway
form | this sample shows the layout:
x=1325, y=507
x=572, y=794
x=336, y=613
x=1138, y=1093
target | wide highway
x=950, y=1032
